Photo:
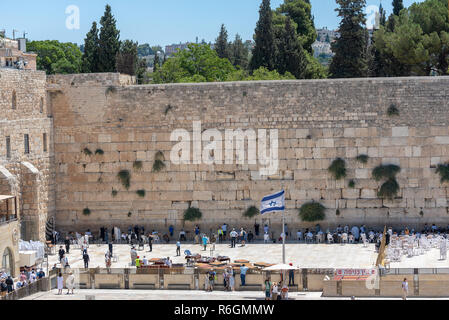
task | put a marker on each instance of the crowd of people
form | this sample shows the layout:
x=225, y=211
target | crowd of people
x=28, y=276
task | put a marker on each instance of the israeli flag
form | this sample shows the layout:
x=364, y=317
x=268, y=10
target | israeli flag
x=273, y=202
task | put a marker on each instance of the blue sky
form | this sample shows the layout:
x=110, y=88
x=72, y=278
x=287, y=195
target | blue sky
x=156, y=22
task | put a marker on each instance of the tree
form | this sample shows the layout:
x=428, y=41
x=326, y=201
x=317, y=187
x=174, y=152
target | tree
x=199, y=63
x=350, y=48
x=290, y=54
x=55, y=57
x=126, y=59
x=264, y=49
x=382, y=16
x=144, y=50
x=239, y=53
x=141, y=72
x=419, y=42
x=156, y=63
x=222, y=46
x=109, y=43
x=397, y=7
x=90, y=56
x=300, y=11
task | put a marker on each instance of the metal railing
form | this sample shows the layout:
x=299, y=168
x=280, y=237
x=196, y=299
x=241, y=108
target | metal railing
x=30, y=289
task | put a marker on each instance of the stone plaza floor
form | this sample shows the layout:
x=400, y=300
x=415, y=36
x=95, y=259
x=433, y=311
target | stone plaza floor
x=109, y=294
x=300, y=254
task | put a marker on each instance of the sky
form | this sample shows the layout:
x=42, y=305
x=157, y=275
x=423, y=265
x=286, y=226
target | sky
x=161, y=22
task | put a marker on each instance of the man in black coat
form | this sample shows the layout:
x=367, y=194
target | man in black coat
x=61, y=253
x=10, y=284
x=67, y=244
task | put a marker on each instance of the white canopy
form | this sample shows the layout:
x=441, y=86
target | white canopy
x=280, y=267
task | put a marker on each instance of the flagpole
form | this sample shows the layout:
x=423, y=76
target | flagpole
x=283, y=238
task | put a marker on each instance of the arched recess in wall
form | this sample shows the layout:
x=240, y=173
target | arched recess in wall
x=8, y=261
x=30, y=202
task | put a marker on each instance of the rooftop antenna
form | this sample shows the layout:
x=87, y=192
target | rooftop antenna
x=14, y=34
x=24, y=34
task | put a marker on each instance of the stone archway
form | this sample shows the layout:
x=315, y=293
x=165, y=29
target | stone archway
x=8, y=261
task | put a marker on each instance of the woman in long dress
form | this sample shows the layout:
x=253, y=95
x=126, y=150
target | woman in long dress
x=70, y=282
x=60, y=281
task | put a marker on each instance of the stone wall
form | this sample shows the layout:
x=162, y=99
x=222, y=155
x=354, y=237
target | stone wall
x=29, y=176
x=317, y=121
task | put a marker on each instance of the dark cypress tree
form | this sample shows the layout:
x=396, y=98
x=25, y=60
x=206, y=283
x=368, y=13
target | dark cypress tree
x=398, y=5
x=109, y=43
x=290, y=54
x=156, y=63
x=382, y=16
x=221, y=44
x=239, y=53
x=350, y=48
x=264, y=49
x=126, y=60
x=90, y=55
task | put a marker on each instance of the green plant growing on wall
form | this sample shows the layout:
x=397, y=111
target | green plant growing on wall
x=114, y=192
x=251, y=212
x=351, y=183
x=312, y=211
x=392, y=110
x=168, y=108
x=99, y=152
x=86, y=211
x=137, y=165
x=338, y=168
x=141, y=193
x=111, y=89
x=385, y=171
x=130, y=214
x=390, y=187
x=125, y=178
x=443, y=170
x=158, y=164
x=362, y=158
x=337, y=212
x=87, y=151
x=192, y=214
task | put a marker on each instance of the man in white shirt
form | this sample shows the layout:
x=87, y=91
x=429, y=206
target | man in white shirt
x=265, y=229
x=224, y=227
x=404, y=289
x=299, y=235
x=145, y=261
x=233, y=235
x=355, y=233
x=266, y=237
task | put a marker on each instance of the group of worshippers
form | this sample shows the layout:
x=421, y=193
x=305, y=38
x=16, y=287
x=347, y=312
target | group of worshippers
x=26, y=277
x=69, y=283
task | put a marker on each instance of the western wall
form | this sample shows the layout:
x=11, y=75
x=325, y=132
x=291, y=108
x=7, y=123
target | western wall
x=317, y=121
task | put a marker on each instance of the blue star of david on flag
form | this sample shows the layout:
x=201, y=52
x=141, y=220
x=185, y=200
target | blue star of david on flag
x=273, y=203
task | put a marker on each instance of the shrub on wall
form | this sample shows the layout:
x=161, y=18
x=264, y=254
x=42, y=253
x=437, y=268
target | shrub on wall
x=192, y=214
x=114, y=192
x=312, y=211
x=362, y=158
x=141, y=193
x=338, y=168
x=385, y=172
x=158, y=164
x=87, y=151
x=392, y=110
x=137, y=165
x=86, y=211
x=251, y=212
x=351, y=183
x=99, y=151
x=389, y=189
x=125, y=178
x=443, y=170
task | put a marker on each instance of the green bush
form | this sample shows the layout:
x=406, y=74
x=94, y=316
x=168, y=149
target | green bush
x=351, y=183
x=114, y=192
x=251, y=212
x=363, y=158
x=338, y=168
x=158, y=165
x=129, y=214
x=389, y=189
x=99, y=151
x=141, y=193
x=312, y=211
x=125, y=178
x=137, y=165
x=86, y=211
x=393, y=110
x=385, y=172
x=192, y=214
x=443, y=170
x=87, y=151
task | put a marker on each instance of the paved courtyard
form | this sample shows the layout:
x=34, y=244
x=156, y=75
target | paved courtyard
x=303, y=255
x=300, y=254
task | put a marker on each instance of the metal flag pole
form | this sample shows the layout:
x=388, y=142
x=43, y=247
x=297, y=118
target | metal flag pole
x=283, y=236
